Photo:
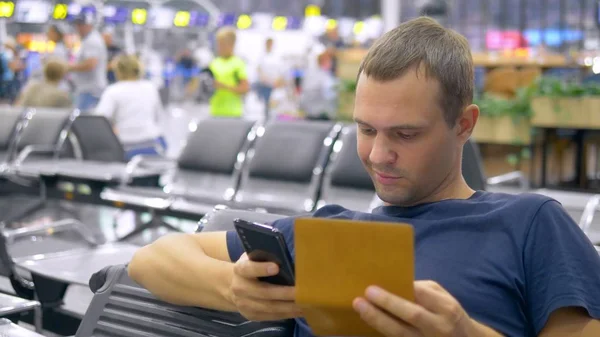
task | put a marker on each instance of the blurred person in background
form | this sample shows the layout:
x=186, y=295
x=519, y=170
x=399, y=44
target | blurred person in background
x=47, y=92
x=134, y=108
x=113, y=51
x=332, y=43
x=271, y=75
x=89, y=71
x=230, y=77
x=11, y=67
x=318, y=99
x=56, y=35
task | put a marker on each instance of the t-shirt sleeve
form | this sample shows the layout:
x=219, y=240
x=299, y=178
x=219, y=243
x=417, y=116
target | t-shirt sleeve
x=562, y=267
x=242, y=72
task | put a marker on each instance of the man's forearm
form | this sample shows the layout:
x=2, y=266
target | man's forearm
x=176, y=270
x=480, y=330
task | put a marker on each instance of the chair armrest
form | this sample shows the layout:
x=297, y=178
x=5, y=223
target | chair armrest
x=155, y=162
x=57, y=226
x=588, y=213
x=517, y=176
x=33, y=149
x=137, y=162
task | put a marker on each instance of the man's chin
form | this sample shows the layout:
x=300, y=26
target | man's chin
x=393, y=196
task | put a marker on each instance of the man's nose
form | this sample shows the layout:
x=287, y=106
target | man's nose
x=381, y=152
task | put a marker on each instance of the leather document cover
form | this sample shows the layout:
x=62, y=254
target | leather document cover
x=336, y=260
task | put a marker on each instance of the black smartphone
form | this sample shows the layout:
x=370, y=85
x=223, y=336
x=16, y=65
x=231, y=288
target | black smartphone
x=264, y=243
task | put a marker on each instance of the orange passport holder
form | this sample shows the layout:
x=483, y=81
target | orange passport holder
x=336, y=260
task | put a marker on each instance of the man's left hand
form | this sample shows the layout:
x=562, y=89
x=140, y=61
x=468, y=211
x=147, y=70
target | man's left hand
x=435, y=313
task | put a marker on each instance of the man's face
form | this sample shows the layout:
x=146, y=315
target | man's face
x=83, y=29
x=404, y=141
x=51, y=34
x=224, y=47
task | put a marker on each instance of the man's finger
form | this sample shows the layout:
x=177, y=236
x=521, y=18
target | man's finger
x=411, y=313
x=383, y=322
x=264, y=291
x=251, y=269
x=435, y=298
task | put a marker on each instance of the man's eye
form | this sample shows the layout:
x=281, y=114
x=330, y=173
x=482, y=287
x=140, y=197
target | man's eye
x=406, y=136
x=367, y=131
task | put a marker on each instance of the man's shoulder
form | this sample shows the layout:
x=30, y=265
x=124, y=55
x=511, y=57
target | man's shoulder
x=327, y=211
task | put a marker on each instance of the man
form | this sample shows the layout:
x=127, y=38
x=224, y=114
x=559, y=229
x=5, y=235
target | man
x=270, y=75
x=56, y=35
x=89, y=72
x=231, y=80
x=486, y=264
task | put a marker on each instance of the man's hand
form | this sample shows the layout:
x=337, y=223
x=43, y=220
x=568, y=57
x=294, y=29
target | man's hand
x=435, y=313
x=257, y=300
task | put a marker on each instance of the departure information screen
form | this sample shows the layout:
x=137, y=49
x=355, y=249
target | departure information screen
x=32, y=11
x=115, y=14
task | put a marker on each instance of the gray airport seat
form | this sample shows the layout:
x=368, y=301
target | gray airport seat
x=10, y=117
x=44, y=134
x=8, y=328
x=285, y=167
x=123, y=308
x=474, y=174
x=221, y=219
x=207, y=173
x=10, y=305
x=346, y=182
x=93, y=139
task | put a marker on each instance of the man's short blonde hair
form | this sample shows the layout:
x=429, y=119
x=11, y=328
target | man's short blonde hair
x=226, y=34
x=55, y=70
x=422, y=43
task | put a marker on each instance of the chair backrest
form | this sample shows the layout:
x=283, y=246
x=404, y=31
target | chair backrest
x=472, y=166
x=214, y=145
x=286, y=164
x=210, y=165
x=9, y=116
x=123, y=308
x=45, y=127
x=221, y=219
x=94, y=139
x=346, y=181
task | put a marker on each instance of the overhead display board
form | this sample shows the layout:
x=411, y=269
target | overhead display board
x=32, y=11
x=7, y=9
x=115, y=14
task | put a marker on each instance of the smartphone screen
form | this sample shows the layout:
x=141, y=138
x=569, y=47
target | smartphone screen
x=264, y=243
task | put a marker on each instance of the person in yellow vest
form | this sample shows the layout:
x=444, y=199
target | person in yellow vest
x=231, y=80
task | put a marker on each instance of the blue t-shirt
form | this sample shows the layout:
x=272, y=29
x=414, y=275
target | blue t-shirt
x=509, y=260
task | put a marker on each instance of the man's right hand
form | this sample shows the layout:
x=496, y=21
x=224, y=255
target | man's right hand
x=257, y=300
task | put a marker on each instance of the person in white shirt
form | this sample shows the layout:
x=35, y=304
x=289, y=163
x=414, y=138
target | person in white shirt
x=133, y=106
x=271, y=74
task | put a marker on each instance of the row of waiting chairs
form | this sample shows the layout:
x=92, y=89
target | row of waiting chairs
x=282, y=167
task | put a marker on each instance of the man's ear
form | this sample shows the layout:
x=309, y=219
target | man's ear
x=467, y=121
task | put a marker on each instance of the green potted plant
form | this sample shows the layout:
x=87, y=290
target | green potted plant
x=565, y=104
x=346, y=90
x=504, y=120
